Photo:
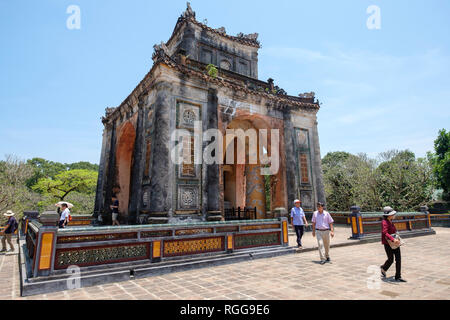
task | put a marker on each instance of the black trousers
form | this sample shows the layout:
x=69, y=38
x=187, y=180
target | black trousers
x=299, y=233
x=398, y=260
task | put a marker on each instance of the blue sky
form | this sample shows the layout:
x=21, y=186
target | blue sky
x=380, y=89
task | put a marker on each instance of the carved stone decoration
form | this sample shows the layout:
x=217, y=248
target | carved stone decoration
x=307, y=201
x=188, y=197
x=307, y=95
x=251, y=36
x=188, y=114
x=109, y=111
x=160, y=50
x=189, y=117
x=221, y=30
x=302, y=139
x=189, y=12
x=146, y=198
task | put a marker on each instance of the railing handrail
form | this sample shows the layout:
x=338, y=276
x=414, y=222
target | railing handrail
x=128, y=228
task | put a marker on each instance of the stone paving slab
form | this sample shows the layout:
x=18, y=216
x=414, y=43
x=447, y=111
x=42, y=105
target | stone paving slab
x=425, y=264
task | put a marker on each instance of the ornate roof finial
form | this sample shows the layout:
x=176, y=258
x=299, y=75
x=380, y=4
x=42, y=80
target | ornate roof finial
x=160, y=50
x=189, y=12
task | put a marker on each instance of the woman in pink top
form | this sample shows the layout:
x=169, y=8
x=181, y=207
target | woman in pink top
x=388, y=228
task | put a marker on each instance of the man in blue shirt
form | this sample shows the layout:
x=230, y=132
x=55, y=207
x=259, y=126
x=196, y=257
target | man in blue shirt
x=298, y=221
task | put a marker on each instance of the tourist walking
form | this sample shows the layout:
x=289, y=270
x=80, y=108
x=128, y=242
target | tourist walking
x=387, y=229
x=323, y=226
x=298, y=221
x=10, y=228
x=115, y=210
x=65, y=215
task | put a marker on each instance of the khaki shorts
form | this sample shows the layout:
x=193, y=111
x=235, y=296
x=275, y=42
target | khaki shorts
x=115, y=216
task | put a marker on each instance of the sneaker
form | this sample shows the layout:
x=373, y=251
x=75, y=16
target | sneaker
x=383, y=272
x=400, y=280
x=328, y=259
x=323, y=261
x=300, y=247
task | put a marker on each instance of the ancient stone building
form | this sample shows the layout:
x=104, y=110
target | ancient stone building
x=180, y=89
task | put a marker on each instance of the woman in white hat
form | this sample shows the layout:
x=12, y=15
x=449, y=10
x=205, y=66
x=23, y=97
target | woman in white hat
x=10, y=228
x=298, y=221
x=388, y=228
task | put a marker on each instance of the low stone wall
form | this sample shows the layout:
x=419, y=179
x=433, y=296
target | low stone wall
x=368, y=225
x=53, y=250
x=440, y=220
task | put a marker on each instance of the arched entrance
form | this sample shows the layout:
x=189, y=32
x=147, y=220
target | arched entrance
x=244, y=186
x=124, y=160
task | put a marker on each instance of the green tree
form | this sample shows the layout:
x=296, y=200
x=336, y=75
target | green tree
x=83, y=165
x=337, y=180
x=14, y=195
x=79, y=180
x=441, y=162
x=397, y=179
x=44, y=169
x=405, y=183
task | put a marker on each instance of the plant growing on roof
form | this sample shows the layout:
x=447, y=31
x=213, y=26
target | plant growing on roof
x=212, y=70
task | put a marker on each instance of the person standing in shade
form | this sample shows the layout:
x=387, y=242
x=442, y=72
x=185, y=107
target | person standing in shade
x=323, y=226
x=115, y=210
x=298, y=221
x=388, y=228
x=65, y=214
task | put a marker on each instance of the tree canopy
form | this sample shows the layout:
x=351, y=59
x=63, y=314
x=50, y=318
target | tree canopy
x=396, y=178
x=78, y=180
x=441, y=162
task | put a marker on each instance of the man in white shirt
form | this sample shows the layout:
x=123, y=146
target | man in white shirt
x=64, y=219
x=323, y=226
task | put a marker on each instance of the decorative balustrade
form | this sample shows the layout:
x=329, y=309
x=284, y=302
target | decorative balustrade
x=52, y=249
x=366, y=225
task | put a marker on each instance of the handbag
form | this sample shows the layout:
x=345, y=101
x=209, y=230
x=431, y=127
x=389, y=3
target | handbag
x=392, y=244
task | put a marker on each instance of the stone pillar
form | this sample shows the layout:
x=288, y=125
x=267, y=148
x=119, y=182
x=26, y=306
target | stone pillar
x=162, y=167
x=110, y=172
x=137, y=171
x=99, y=195
x=356, y=222
x=211, y=188
x=292, y=178
x=317, y=166
x=44, y=259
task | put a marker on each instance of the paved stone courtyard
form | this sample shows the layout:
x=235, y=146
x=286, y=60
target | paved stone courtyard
x=425, y=264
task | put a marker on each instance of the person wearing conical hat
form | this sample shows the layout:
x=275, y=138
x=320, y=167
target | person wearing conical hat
x=10, y=228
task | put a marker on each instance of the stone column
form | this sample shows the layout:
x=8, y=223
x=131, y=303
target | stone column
x=137, y=171
x=211, y=188
x=44, y=260
x=317, y=166
x=99, y=195
x=292, y=179
x=162, y=167
x=110, y=164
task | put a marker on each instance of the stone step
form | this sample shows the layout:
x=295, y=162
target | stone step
x=158, y=220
